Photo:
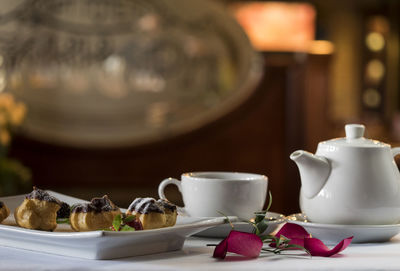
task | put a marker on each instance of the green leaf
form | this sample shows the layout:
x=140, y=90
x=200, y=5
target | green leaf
x=284, y=238
x=259, y=217
x=278, y=242
x=117, y=222
x=127, y=228
x=129, y=218
x=256, y=231
x=63, y=221
x=276, y=239
x=262, y=226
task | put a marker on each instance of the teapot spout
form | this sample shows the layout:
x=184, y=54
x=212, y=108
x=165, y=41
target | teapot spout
x=314, y=172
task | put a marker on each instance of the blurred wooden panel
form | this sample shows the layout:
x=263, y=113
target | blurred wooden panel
x=317, y=126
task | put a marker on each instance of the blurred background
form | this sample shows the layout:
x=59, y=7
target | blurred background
x=271, y=78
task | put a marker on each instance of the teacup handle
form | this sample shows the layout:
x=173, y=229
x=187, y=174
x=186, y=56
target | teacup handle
x=161, y=188
x=396, y=151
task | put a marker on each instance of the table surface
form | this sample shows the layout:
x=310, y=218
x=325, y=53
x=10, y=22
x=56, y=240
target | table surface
x=197, y=256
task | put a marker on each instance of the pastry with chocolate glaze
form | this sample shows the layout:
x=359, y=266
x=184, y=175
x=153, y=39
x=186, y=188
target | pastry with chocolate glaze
x=170, y=212
x=38, y=211
x=4, y=211
x=96, y=215
x=149, y=212
x=153, y=214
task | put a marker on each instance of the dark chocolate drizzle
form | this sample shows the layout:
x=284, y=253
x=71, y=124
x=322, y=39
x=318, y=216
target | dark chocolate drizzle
x=64, y=211
x=167, y=205
x=145, y=206
x=40, y=194
x=81, y=208
x=96, y=205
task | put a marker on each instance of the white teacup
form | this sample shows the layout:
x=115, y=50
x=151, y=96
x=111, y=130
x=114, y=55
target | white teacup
x=208, y=194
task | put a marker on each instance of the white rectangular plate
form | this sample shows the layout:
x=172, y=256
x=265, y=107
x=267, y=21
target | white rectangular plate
x=98, y=244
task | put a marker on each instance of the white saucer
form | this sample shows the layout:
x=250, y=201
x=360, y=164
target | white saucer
x=333, y=233
x=222, y=231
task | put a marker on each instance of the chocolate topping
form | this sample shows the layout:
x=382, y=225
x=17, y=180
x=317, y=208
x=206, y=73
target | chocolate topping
x=103, y=204
x=97, y=205
x=64, y=211
x=40, y=194
x=145, y=206
x=1, y=204
x=81, y=208
x=167, y=205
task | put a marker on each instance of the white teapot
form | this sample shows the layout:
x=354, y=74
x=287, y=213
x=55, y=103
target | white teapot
x=351, y=180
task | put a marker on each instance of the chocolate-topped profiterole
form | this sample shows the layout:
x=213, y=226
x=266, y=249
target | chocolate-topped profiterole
x=4, y=211
x=38, y=211
x=170, y=212
x=98, y=214
x=39, y=194
x=153, y=214
x=145, y=206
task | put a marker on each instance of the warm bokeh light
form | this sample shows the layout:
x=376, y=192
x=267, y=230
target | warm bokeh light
x=277, y=26
x=372, y=98
x=321, y=47
x=375, y=41
x=375, y=70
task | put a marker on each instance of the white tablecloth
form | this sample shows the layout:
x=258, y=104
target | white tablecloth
x=197, y=256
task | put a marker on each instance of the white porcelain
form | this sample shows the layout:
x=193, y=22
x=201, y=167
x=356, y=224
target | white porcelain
x=334, y=233
x=351, y=180
x=208, y=194
x=99, y=244
x=221, y=231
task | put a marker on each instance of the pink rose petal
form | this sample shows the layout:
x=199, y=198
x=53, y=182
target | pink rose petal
x=317, y=248
x=294, y=232
x=221, y=249
x=242, y=243
x=299, y=236
x=291, y=231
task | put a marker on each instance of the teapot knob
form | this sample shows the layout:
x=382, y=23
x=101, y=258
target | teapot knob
x=354, y=131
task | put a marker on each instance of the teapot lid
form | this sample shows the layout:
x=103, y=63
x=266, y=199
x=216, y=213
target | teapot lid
x=355, y=138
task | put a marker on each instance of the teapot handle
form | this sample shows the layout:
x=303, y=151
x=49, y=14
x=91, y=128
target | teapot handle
x=396, y=151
